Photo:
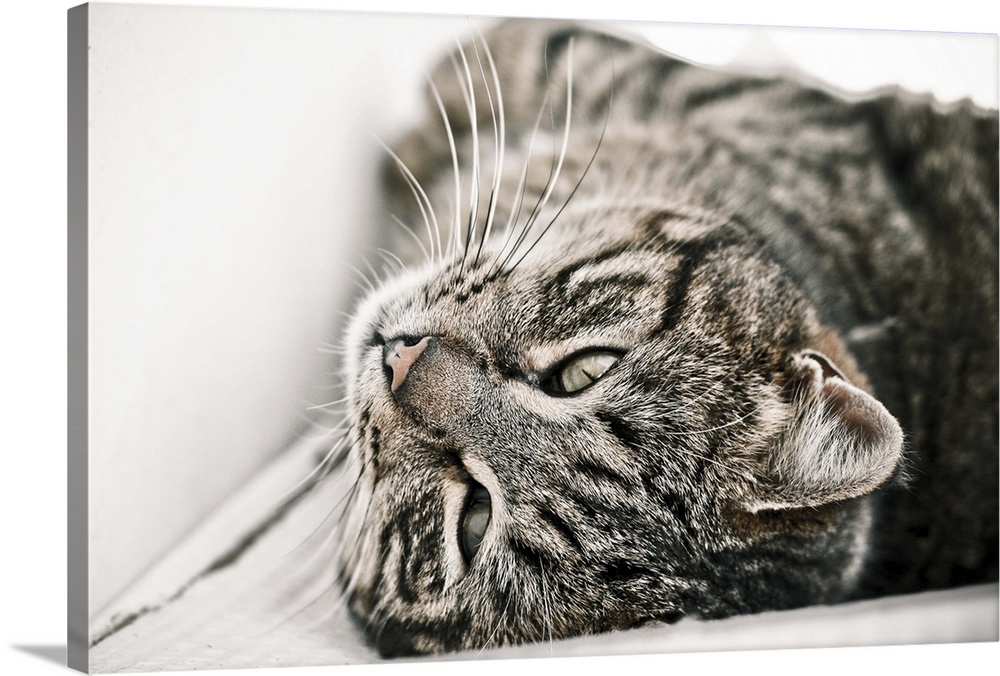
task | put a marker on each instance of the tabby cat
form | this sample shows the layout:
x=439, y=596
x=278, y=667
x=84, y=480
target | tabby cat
x=675, y=342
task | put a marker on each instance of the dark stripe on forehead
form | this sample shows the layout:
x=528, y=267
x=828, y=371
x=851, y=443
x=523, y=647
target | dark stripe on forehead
x=675, y=305
x=624, y=281
x=563, y=276
x=677, y=506
x=529, y=555
x=638, y=86
x=559, y=525
x=593, y=291
x=623, y=571
x=605, y=511
x=590, y=49
x=723, y=90
x=692, y=255
x=600, y=472
x=583, y=502
x=657, y=72
x=555, y=45
x=622, y=431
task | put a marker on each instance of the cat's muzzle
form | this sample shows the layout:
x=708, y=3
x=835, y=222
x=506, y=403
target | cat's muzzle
x=431, y=379
x=399, y=355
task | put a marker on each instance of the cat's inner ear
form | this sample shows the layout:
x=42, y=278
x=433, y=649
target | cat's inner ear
x=840, y=442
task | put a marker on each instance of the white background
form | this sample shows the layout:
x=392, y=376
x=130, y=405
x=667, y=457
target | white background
x=32, y=580
x=233, y=175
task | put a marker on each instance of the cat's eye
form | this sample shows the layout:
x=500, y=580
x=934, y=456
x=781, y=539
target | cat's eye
x=582, y=370
x=474, y=521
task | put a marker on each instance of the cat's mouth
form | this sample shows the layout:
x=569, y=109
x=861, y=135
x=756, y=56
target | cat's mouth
x=473, y=520
x=474, y=515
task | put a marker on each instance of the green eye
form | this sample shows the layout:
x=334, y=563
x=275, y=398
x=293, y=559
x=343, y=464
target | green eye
x=474, y=521
x=583, y=370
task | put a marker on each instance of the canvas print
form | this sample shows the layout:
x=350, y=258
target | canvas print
x=447, y=337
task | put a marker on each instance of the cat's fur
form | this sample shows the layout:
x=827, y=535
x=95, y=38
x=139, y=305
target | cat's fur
x=787, y=274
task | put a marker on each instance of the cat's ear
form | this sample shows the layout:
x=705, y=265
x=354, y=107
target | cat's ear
x=841, y=442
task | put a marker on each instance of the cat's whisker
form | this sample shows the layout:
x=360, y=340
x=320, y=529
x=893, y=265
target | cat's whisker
x=554, y=177
x=392, y=260
x=322, y=466
x=321, y=431
x=467, y=88
x=342, y=314
x=563, y=207
x=590, y=163
x=499, y=138
x=328, y=405
x=709, y=430
x=328, y=346
x=336, y=350
x=339, y=384
x=456, y=231
x=330, y=608
x=539, y=202
x=352, y=496
x=378, y=278
x=363, y=283
x=341, y=504
x=413, y=235
x=336, y=372
x=302, y=415
x=352, y=584
x=714, y=385
x=335, y=606
x=325, y=431
x=423, y=201
x=335, y=532
x=546, y=603
x=340, y=592
x=496, y=628
x=519, y=192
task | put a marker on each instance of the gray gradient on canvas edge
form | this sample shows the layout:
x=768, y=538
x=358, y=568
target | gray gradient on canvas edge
x=76, y=546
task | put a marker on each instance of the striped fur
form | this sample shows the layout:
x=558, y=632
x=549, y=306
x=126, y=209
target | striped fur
x=766, y=257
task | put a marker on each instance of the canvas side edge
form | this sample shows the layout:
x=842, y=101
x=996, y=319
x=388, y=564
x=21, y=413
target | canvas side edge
x=77, y=614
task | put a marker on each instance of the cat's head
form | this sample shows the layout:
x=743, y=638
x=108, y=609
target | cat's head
x=623, y=427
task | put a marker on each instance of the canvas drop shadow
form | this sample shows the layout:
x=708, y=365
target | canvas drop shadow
x=49, y=653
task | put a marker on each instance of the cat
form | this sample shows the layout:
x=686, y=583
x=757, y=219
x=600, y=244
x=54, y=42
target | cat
x=668, y=341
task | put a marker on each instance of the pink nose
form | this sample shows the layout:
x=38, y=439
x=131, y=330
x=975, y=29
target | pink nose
x=399, y=357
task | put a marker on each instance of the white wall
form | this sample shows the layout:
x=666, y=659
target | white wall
x=232, y=183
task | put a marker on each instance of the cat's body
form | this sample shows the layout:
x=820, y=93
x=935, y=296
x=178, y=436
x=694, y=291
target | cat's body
x=757, y=264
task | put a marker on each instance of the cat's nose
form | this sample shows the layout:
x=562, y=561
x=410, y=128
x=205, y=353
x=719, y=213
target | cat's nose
x=399, y=355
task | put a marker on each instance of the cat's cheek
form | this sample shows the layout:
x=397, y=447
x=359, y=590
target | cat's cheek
x=364, y=378
x=531, y=401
